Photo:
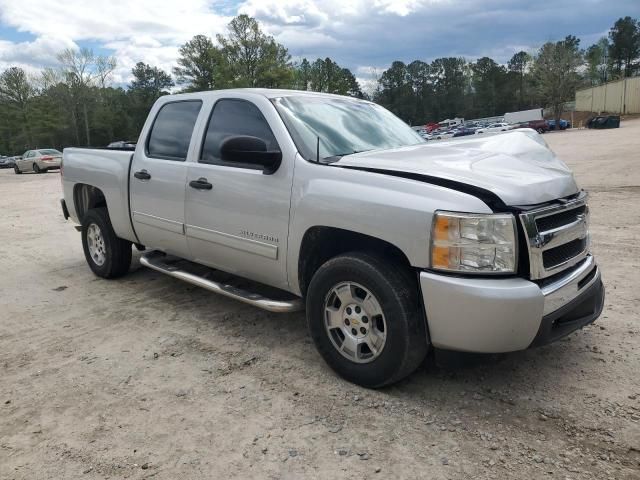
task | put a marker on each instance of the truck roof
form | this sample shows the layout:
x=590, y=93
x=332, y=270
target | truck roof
x=265, y=92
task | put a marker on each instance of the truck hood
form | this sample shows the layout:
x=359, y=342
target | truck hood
x=517, y=166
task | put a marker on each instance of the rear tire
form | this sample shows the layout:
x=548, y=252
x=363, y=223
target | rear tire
x=107, y=255
x=36, y=168
x=401, y=323
x=540, y=131
x=16, y=170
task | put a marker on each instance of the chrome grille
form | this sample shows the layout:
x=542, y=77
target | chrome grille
x=557, y=236
x=558, y=255
x=559, y=219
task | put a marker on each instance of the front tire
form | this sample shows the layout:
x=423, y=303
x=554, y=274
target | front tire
x=107, y=255
x=16, y=170
x=365, y=318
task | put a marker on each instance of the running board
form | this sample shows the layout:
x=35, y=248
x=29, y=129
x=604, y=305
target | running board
x=175, y=267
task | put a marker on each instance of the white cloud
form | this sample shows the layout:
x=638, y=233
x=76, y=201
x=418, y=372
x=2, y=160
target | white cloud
x=133, y=30
x=29, y=55
x=107, y=20
x=315, y=13
x=355, y=33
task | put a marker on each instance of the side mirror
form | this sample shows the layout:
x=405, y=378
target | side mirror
x=250, y=151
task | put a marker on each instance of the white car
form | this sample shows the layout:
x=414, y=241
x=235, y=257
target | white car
x=495, y=127
x=39, y=161
x=440, y=135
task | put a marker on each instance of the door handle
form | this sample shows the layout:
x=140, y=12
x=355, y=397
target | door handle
x=142, y=175
x=200, y=184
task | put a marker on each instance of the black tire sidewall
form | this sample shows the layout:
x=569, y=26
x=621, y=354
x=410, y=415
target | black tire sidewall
x=100, y=217
x=396, y=307
x=16, y=169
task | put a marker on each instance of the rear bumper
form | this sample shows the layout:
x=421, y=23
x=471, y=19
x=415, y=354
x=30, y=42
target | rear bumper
x=49, y=165
x=488, y=315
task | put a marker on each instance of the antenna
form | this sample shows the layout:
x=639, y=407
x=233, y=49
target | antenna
x=318, y=150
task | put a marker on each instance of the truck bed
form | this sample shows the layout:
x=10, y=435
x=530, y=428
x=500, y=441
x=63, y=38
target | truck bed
x=106, y=169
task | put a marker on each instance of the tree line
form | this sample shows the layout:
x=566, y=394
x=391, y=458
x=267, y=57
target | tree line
x=76, y=103
x=450, y=87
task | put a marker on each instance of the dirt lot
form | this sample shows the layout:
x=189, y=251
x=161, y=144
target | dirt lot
x=148, y=377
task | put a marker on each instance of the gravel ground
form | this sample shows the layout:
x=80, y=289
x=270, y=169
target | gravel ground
x=148, y=377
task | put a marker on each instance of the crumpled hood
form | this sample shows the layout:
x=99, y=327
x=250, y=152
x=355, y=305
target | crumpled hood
x=517, y=166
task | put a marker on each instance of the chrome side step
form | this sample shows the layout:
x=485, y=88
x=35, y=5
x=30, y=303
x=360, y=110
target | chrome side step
x=158, y=261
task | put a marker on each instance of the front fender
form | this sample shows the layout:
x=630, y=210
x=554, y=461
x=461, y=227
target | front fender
x=396, y=210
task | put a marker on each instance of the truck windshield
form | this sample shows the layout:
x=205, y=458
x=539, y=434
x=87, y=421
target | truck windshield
x=342, y=125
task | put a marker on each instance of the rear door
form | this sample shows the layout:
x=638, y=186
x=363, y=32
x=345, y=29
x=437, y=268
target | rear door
x=158, y=176
x=240, y=225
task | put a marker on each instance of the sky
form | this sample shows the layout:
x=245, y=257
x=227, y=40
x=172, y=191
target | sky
x=365, y=36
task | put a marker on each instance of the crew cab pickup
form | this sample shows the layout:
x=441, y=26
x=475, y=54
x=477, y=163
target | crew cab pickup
x=292, y=200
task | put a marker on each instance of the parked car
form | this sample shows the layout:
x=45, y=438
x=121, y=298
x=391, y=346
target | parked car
x=5, y=162
x=123, y=145
x=540, y=126
x=440, y=134
x=495, y=127
x=10, y=162
x=422, y=132
x=564, y=124
x=464, y=131
x=39, y=161
x=394, y=246
x=604, y=121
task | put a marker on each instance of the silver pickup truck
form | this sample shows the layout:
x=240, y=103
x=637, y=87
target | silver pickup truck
x=289, y=200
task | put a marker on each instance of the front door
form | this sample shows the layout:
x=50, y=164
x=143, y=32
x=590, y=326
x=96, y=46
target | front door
x=240, y=224
x=26, y=162
x=158, y=177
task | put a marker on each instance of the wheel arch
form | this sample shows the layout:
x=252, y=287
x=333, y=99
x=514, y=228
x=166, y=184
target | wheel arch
x=321, y=243
x=86, y=197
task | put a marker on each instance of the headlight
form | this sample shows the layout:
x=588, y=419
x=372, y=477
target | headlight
x=473, y=243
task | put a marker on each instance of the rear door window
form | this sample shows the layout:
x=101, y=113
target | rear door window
x=171, y=131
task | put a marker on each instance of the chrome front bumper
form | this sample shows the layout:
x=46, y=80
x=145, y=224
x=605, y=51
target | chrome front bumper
x=561, y=291
x=489, y=315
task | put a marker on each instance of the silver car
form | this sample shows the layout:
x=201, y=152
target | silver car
x=39, y=161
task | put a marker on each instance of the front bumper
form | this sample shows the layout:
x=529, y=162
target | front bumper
x=488, y=315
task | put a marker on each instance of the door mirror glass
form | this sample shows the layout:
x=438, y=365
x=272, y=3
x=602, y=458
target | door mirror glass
x=250, y=150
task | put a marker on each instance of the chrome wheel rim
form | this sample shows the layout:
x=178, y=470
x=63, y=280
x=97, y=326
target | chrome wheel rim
x=95, y=242
x=354, y=322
